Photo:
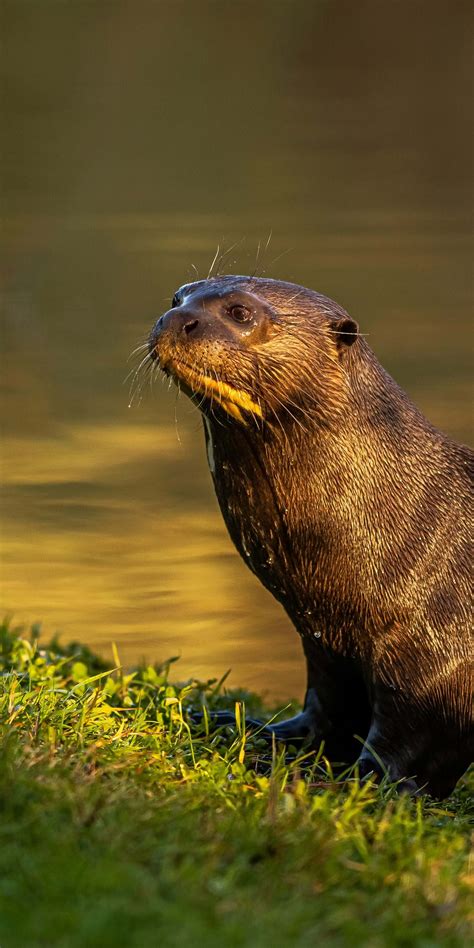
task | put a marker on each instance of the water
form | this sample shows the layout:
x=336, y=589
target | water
x=139, y=136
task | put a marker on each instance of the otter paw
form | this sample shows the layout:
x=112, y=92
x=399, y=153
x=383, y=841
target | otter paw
x=371, y=769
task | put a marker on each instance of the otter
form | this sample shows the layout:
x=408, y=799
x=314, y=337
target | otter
x=350, y=508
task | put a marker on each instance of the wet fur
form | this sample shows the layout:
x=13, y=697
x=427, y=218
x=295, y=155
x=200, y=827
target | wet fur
x=354, y=512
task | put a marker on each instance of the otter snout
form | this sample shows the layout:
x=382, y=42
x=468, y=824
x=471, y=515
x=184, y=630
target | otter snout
x=176, y=324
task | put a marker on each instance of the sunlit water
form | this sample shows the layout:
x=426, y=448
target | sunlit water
x=139, y=136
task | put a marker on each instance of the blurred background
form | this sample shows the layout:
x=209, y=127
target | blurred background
x=139, y=136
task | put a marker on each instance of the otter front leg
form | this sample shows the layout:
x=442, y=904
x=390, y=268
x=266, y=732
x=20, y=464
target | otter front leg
x=380, y=758
x=397, y=742
x=336, y=708
x=309, y=726
x=423, y=738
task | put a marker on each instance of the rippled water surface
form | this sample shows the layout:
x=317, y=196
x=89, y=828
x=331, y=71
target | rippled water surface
x=138, y=137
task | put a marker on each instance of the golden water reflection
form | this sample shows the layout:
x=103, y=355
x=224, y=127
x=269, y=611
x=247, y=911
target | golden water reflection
x=108, y=565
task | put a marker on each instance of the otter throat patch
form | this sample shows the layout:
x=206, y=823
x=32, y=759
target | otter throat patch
x=231, y=399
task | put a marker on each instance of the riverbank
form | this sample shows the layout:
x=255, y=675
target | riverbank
x=121, y=825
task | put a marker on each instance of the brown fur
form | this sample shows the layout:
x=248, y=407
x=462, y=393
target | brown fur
x=352, y=509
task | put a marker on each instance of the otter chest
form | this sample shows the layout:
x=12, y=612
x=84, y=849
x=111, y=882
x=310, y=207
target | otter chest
x=251, y=515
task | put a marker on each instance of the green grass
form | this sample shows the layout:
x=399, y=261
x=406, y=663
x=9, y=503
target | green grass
x=121, y=825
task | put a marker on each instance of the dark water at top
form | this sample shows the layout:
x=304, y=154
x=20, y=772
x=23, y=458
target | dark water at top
x=138, y=136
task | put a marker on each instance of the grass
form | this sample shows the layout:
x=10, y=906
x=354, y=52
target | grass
x=120, y=824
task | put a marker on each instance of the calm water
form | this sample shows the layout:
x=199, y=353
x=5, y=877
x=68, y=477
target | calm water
x=138, y=137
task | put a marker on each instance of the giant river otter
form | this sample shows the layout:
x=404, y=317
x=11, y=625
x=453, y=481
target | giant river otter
x=349, y=507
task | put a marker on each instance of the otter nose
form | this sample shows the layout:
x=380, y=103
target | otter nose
x=190, y=326
x=177, y=322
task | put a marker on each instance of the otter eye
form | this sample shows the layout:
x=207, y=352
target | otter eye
x=175, y=301
x=240, y=313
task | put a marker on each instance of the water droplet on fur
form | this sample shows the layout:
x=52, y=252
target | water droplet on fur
x=309, y=612
x=244, y=547
x=317, y=633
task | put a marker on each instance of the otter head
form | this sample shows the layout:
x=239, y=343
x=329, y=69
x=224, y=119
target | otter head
x=255, y=349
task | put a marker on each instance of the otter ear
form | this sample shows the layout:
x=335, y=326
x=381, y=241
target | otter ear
x=345, y=331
